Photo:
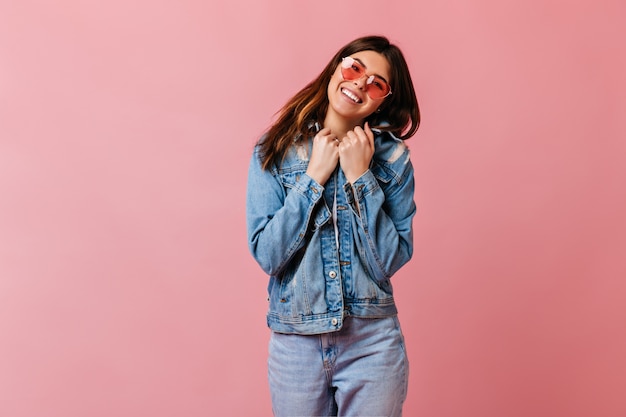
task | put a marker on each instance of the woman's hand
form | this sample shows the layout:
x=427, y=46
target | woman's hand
x=324, y=156
x=356, y=151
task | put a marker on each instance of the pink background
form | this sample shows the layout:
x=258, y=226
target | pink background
x=126, y=286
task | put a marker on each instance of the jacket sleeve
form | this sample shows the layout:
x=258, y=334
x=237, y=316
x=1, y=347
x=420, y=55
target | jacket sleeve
x=384, y=216
x=277, y=221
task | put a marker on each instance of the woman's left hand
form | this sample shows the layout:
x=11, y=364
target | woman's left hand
x=356, y=151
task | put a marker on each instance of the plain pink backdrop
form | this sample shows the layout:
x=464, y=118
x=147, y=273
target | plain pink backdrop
x=126, y=286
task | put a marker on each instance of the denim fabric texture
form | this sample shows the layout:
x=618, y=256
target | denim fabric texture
x=330, y=250
x=360, y=371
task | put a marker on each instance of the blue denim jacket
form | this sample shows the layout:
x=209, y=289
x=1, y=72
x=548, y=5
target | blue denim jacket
x=330, y=250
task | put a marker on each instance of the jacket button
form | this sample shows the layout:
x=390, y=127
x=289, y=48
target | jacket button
x=332, y=274
x=334, y=322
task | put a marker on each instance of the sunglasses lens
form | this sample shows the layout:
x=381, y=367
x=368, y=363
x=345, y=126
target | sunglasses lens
x=377, y=87
x=352, y=70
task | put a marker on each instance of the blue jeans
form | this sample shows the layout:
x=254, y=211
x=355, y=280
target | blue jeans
x=361, y=370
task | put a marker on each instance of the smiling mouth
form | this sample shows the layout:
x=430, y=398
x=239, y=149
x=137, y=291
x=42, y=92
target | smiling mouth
x=350, y=95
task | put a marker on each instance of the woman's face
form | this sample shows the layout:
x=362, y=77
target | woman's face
x=352, y=99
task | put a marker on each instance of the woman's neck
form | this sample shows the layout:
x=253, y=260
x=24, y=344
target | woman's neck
x=339, y=126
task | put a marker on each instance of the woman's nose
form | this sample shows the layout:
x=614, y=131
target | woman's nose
x=361, y=82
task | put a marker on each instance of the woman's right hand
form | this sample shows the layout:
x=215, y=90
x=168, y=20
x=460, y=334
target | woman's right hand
x=324, y=156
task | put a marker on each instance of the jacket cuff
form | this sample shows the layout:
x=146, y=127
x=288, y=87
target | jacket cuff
x=309, y=188
x=365, y=184
x=356, y=192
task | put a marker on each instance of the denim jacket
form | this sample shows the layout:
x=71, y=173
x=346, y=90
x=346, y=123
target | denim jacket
x=330, y=250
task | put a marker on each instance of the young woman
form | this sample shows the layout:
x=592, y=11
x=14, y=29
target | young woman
x=329, y=217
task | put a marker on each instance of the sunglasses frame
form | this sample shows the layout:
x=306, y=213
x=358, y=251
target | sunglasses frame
x=347, y=63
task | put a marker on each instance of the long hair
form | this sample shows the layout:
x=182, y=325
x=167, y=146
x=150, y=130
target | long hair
x=399, y=113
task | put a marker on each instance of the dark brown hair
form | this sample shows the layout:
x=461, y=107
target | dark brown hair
x=399, y=113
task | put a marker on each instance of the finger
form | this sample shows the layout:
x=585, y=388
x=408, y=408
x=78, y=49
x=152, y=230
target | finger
x=324, y=132
x=358, y=132
x=352, y=136
x=364, y=134
x=331, y=137
x=369, y=134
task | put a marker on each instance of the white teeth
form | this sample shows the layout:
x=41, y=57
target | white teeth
x=350, y=95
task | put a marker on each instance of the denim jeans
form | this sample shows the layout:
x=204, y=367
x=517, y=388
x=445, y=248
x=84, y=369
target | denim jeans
x=361, y=370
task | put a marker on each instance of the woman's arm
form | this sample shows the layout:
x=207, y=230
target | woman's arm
x=384, y=217
x=277, y=221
